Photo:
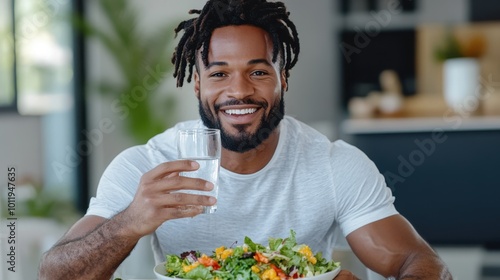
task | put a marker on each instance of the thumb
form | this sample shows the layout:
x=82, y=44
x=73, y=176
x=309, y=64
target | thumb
x=346, y=275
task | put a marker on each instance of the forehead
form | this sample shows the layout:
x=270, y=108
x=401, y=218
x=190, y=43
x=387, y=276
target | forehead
x=242, y=42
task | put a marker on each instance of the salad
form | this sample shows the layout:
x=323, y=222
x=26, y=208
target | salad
x=282, y=259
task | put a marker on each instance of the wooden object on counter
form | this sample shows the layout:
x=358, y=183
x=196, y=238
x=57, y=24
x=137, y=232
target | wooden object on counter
x=428, y=105
x=387, y=102
x=423, y=105
x=425, y=113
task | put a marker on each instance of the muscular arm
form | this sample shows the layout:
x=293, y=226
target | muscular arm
x=392, y=247
x=94, y=247
x=95, y=254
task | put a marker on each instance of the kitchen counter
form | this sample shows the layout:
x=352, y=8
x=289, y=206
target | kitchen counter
x=420, y=124
x=426, y=113
x=441, y=167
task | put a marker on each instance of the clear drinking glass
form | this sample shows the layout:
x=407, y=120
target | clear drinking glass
x=203, y=146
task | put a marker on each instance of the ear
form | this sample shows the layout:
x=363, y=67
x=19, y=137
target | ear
x=197, y=84
x=284, y=83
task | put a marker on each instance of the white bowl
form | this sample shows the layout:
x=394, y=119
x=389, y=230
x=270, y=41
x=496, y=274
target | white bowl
x=160, y=272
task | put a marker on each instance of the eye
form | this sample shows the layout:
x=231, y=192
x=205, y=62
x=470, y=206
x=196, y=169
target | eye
x=218, y=75
x=259, y=73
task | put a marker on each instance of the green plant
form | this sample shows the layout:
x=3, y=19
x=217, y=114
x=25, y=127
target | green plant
x=450, y=49
x=143, y=61
x=37, y=202
x=44, y=205
x=453, y=48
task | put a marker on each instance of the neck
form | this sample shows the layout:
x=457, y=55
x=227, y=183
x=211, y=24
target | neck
x=251, y=161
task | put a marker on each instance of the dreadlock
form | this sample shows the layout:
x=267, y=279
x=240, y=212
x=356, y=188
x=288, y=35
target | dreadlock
x=270, y=16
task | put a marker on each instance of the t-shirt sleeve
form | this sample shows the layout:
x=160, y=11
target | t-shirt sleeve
x=118, y=183
x=361, y=193
x=121, y=178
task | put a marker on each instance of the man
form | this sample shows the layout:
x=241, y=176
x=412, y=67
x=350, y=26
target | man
x=277, y=173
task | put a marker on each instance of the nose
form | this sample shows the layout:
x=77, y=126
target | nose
x=240, y=87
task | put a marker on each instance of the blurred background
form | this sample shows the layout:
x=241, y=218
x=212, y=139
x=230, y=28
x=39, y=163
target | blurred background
x=415, y=84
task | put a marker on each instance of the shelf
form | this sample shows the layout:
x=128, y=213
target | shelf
x=428, y=112
x=424, y=124
x=374, y=21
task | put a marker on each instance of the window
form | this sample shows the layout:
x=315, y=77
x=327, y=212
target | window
x=7, y=84
x=44, y=54
x=36, y=51
x=40, y=52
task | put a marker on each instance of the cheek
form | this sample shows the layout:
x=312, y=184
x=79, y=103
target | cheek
x=208, y=99
x=210, y=92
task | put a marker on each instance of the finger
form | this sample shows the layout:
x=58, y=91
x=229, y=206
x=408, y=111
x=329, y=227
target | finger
x=166, y=168
x=182, y=212
x=179, y=199
x=346, y=275
x=178, y=183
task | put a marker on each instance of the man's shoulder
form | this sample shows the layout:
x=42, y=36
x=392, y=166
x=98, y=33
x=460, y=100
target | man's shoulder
x=314, y=140
x=298, y=128
x=160, y=147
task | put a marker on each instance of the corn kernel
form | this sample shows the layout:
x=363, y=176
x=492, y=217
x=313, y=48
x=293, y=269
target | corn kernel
x=306, y=251
x=255, y=269
x=226, y=253
x=218, y=251
x=187, y=268
x=270, y=274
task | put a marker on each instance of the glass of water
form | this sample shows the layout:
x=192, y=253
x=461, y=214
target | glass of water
x=203, y=146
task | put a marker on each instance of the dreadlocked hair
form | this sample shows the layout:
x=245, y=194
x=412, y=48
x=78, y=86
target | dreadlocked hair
x=270, y=16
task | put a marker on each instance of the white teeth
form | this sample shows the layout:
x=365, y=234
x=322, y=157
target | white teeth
x=241, y=112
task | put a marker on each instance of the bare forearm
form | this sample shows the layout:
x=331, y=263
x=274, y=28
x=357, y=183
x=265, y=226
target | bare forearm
x=424, y=266
x=94, y=256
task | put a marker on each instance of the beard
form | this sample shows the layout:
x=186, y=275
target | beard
x=244, y=141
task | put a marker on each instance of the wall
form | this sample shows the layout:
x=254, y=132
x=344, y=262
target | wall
x=21, y=145
x=314, y=82
x=310, y=98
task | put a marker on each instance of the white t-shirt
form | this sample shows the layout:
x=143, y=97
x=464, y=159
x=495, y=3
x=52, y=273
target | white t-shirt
x=310, y=185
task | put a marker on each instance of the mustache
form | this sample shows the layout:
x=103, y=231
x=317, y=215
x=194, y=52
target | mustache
x=247, y=101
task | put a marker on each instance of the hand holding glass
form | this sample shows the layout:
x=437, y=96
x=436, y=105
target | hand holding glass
x=204, y=147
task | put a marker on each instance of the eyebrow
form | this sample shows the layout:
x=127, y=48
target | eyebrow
x=216, y=63
x=258, y=61
x=251, y=62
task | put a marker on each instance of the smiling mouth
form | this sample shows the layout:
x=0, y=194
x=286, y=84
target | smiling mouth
x=246, y=111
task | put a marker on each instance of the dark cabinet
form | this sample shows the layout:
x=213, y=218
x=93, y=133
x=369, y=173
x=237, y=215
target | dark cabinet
x=446, y=184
